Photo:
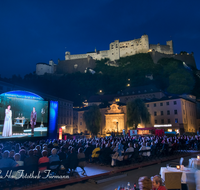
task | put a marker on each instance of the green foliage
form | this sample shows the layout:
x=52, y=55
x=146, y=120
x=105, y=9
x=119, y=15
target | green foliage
x=170, y=75
x=181, y=82
x=92, y=119
x=137, y=113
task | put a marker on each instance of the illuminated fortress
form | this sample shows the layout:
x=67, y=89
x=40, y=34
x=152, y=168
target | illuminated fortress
x=122, y=49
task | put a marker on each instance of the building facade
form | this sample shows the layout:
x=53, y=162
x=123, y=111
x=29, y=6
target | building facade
x=171, y=114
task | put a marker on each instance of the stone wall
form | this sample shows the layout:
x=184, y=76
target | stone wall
x=187, y=58
x=75, y=65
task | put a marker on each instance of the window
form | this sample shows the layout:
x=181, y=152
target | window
x=167, y=103
x=154, y=105
x=176, y=120
x=155, y=121
x=162, y=121
x=184, y=112
x=168, y=121
x=161, y=104
x=161, y=113
x=147, y=105
x=175, y=112
x=168, y=112
x=80, y=123
x=174, y=102
x=155, y=113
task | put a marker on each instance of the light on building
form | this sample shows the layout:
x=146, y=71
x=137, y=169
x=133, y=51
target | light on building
x=177, y=130
x=129, y=79
x=166, y=125
x=128, y=84
x=169, y=130
x=100, y=91
x=60, y=133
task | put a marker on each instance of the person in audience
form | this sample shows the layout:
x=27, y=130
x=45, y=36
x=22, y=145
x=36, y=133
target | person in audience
x=43, y=159
x=12, y=153
x=157, y=183
x=144, y=147
x=38, y=147
x=145, y=183
x=81, y=159
x=105, y=154
x=95, y=155
x=23, y=155
x=17, y=159
x=88, y=151
x=54, y=157
x=31, y=162
x=62, y=154
x=73, y=160
x=118, y=154
x=6, y=162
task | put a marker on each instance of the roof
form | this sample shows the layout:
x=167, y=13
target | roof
x=101, y=106
x=166, y=98
x=42, y=64
x=102, y=98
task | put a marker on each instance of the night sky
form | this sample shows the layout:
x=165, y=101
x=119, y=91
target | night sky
x=33, y=31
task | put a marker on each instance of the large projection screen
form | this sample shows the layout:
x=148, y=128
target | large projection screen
x=23, y=114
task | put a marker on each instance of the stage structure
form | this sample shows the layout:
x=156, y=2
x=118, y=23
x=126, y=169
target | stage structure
x=25, y=114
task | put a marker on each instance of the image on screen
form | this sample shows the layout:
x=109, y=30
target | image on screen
x=23, y=115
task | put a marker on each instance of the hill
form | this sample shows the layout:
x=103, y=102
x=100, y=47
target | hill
x=169, y=75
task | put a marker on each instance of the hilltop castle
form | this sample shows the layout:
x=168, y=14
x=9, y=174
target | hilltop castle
x=82, y=62
x=122, y=49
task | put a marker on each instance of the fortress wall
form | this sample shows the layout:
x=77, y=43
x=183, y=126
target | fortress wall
x=75, y=65
x=161, y=48
x=188, y=59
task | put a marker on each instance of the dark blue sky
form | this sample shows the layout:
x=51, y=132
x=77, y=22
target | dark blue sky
x=33, y=31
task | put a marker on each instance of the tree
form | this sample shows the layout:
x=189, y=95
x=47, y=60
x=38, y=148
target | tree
x=137, y=113
x=92, y=119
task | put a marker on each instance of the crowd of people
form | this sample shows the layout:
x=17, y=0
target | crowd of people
x=73, y=153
